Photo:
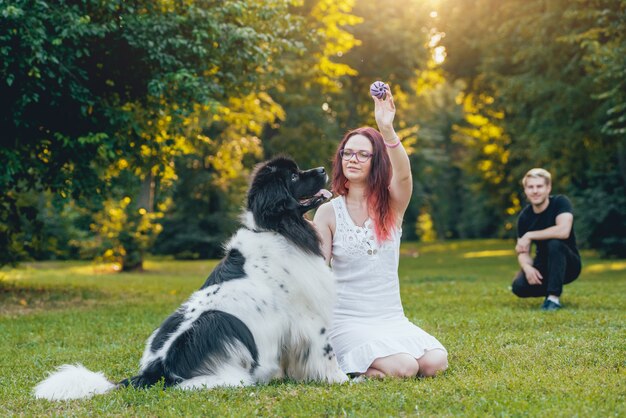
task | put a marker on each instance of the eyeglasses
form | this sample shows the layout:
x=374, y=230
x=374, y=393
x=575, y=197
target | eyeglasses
x=361, y=156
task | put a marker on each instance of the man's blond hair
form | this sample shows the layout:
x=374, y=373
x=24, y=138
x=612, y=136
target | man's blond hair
x=538, y=173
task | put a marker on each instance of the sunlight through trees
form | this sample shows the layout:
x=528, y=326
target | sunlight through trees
x=132, y=128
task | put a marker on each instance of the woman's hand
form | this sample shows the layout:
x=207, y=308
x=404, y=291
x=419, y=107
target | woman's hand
x=384, y=112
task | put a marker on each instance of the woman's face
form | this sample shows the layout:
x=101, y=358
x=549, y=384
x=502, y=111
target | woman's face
x=355, y=168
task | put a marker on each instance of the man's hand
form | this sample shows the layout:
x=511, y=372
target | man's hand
x=533, y=276
x=523, y=245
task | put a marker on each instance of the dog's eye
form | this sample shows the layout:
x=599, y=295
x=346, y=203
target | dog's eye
x=295, y=177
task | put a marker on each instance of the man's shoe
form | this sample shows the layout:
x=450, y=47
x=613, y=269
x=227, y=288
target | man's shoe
x=548, y=305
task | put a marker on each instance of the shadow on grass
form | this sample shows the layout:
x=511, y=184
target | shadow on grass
x=16, y=299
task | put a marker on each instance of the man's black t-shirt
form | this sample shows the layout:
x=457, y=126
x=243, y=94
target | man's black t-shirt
x=531, y=221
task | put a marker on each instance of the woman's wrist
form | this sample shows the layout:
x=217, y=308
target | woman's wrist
x=394, y=144
x=391, y=141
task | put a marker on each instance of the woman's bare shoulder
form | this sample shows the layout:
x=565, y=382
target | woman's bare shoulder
x=325, y=214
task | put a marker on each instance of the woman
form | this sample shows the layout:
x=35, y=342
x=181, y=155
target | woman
x=360, y=231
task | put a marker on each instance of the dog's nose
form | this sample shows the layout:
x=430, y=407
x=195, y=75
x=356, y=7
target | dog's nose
x=320, y=170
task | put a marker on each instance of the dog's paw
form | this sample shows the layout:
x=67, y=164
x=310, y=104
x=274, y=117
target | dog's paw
x=359, y=379
x=339, y=377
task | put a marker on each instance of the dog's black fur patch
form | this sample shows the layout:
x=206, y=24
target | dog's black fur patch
x=230, y=268
x=200, y=347
x=169, y=326
x=206, y=343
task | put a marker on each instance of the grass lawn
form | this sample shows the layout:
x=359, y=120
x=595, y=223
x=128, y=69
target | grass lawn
x=507, y=358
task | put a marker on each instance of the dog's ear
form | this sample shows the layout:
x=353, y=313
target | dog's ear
x=272, y=200
x=269, y=199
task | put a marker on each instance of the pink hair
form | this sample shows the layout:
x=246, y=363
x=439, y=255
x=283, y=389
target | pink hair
x=378, y=196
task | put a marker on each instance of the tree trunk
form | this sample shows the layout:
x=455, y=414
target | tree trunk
x=621, y=159
x=133, y=260
x=146, y=193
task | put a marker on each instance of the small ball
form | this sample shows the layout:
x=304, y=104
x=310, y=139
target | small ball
x=378, y=89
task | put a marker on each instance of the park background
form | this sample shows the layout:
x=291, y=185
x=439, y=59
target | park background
x=128, y=130
x=131, y=127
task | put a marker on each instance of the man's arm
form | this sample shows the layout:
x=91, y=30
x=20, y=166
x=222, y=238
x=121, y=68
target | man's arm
x=561, y=230
x=533, y=276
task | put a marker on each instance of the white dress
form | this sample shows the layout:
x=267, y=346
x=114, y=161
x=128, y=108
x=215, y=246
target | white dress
x=369, y=321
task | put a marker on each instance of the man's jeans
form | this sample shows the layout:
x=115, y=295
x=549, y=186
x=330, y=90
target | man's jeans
x=560, y=266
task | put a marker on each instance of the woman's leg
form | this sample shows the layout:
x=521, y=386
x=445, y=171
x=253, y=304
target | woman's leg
x=405, y=365
x=372, y=372
x=397, y=365
x=433, y=362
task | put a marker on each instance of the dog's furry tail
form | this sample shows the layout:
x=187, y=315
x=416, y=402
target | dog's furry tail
x=73, y=382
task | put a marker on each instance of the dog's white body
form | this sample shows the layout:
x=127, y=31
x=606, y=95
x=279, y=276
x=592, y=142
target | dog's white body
x=286, y=301
x=263, y=314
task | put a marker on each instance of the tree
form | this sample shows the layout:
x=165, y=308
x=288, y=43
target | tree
x=540, y=63
x=311, y=85
x=86, y=85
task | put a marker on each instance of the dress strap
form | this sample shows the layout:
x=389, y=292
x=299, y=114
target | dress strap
x=340, y=212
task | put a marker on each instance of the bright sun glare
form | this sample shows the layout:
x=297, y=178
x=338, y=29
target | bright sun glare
x=439, y=54
x=438, y=51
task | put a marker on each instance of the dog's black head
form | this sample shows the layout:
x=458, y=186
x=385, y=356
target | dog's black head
x=280, y=194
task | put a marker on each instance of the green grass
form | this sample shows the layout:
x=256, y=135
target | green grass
x=507, y=358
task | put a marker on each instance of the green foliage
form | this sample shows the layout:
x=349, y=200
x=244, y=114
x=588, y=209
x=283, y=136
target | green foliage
x=310, y=91
x=59, y=230
x=436, y=159
x=507, y=358
x=88, y=84
x=554, y=72
x=123, y=233
x=388, y=49
x=600, y=214
x=603, y=43
x=200, y=218
x=489, y=187
x=173, y=102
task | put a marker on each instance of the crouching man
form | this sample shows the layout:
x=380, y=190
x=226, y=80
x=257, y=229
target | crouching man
x=547, y=221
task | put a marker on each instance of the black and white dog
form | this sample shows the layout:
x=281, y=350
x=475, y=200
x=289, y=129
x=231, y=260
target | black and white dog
x=262, y=314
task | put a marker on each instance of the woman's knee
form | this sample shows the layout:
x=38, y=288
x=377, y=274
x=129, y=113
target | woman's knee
x=407, y=369
x=433, y=362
